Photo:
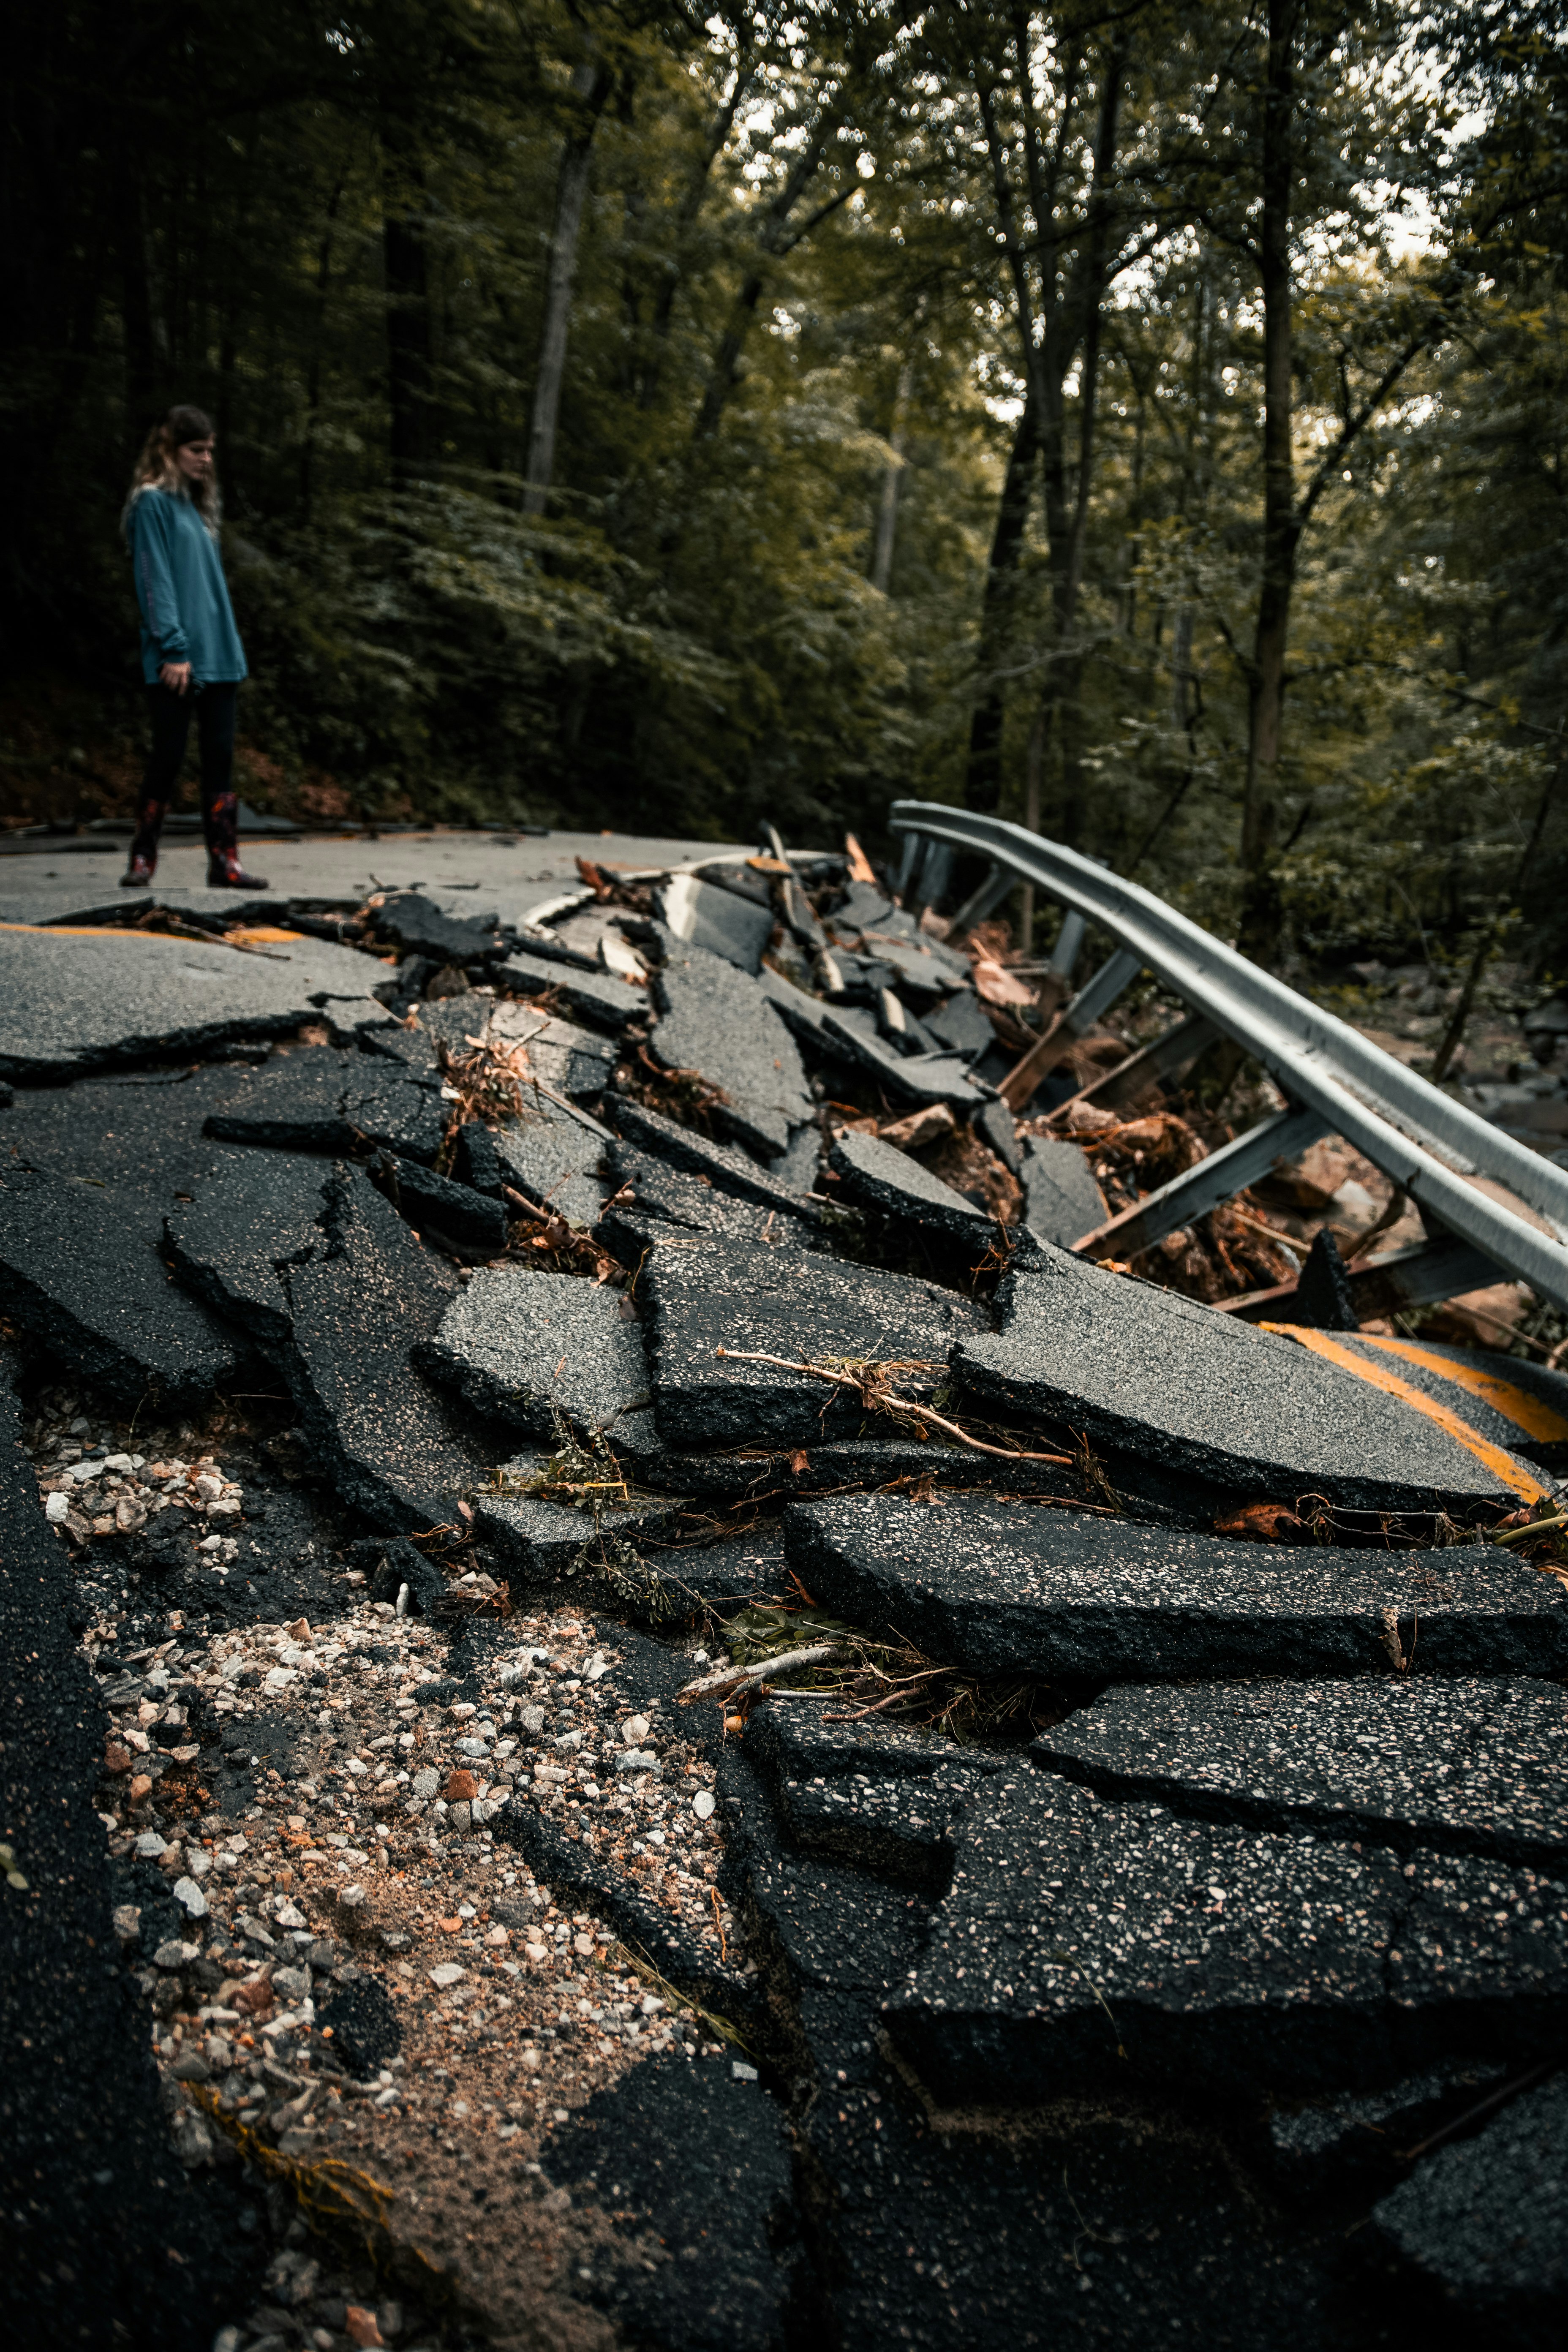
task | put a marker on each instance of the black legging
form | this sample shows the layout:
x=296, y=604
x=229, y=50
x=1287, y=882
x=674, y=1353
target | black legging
x=214, y=706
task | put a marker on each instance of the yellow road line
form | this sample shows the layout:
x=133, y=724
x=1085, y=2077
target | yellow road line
x=247, y=937
x=1534, y=1417
x=1502, y=1466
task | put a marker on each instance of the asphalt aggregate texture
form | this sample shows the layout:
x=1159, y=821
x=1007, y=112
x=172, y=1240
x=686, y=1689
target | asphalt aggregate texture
x=1166, y=1386
x=1126, y=1931
x=992, y=1584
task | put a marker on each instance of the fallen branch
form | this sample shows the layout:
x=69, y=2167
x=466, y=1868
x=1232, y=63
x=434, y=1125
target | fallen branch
x=877, y=1398
x=735, y=1678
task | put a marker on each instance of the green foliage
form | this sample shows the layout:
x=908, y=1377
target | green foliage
x=791, y=283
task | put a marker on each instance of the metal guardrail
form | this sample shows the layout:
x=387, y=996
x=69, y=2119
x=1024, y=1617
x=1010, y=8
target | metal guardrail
x=1421, y=1139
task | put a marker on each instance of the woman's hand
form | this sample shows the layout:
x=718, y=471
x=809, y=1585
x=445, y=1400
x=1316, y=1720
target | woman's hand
x=176, y=675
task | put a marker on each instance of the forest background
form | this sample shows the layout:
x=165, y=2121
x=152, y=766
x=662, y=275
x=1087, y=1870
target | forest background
x=1145, y=419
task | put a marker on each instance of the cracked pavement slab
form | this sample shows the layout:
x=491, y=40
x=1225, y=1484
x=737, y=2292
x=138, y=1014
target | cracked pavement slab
x=1168, y=1387
x=680, y=2018
x=1465, y=1765
x=994, y=1585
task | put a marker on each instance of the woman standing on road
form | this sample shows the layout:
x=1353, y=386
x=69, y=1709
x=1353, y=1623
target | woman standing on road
x=191, y=651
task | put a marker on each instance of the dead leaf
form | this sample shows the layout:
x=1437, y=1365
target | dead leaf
x=1262, y=1523
x=997, y=986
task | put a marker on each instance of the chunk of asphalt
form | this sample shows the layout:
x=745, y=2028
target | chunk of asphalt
x=1464, y=1764
x=1061, y=1200
x=799, y=1163
x=251, y=1213
x=523, y=1346
x=80, y=1275
x=591, y=1541
x=560, y=1858
x=960, y=1023
x=727, y=1168
x=296, y=1105
x=570, y=1060
x=709, y=1303
x=877, y=1175
x=1486, y=2219
x=399, y=1114
x=394, y=1450
x=1333, y=2143
x=717, y=922
x=733, y=1573
x=658, y=2154
x=827, y=1925
x=718, y=1022
x=1035, y=2196
x=456, y=1211
x=1522, y=1407
x=847, y=1034
x=883, y=1805
x=419, y=927
x=1083, y=1944
x=924, y=971
x=864, y=907
x=995, y=1124
x=1166, y=1382
x=69, y=1004
x=141, y=1130
x=550, y=1157
x=1000, y=1588
x=410, y=1044
x=596, y=996
x=671, y=1196
x=478, y=1163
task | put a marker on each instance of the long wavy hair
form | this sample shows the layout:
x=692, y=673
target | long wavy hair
x=156, y=468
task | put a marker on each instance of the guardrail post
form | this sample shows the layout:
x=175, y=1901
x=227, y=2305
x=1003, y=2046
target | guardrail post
x=1198, y=1189
x=982, y=901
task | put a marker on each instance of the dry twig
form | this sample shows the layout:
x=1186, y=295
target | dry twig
x=867, y=1381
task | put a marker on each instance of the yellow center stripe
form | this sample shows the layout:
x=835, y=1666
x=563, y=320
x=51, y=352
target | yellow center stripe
x=1535, y=1418
x=254, y=936
x=1503, y=1467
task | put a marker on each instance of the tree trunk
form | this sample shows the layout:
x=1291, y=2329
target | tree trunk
x=1282, y=524
x=982, y=776
x=1077, y=330
x=313, y=373
x=775, y=239
x=590, y=86
x=142, y=336
x=408, y=350
x=892, y=482
x=691, y=205
x=725, y=372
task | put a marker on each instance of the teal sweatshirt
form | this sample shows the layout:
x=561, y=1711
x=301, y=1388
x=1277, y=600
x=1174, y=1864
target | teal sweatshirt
x=186, y=613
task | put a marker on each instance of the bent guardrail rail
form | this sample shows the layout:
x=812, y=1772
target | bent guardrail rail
x=1421, y=1139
